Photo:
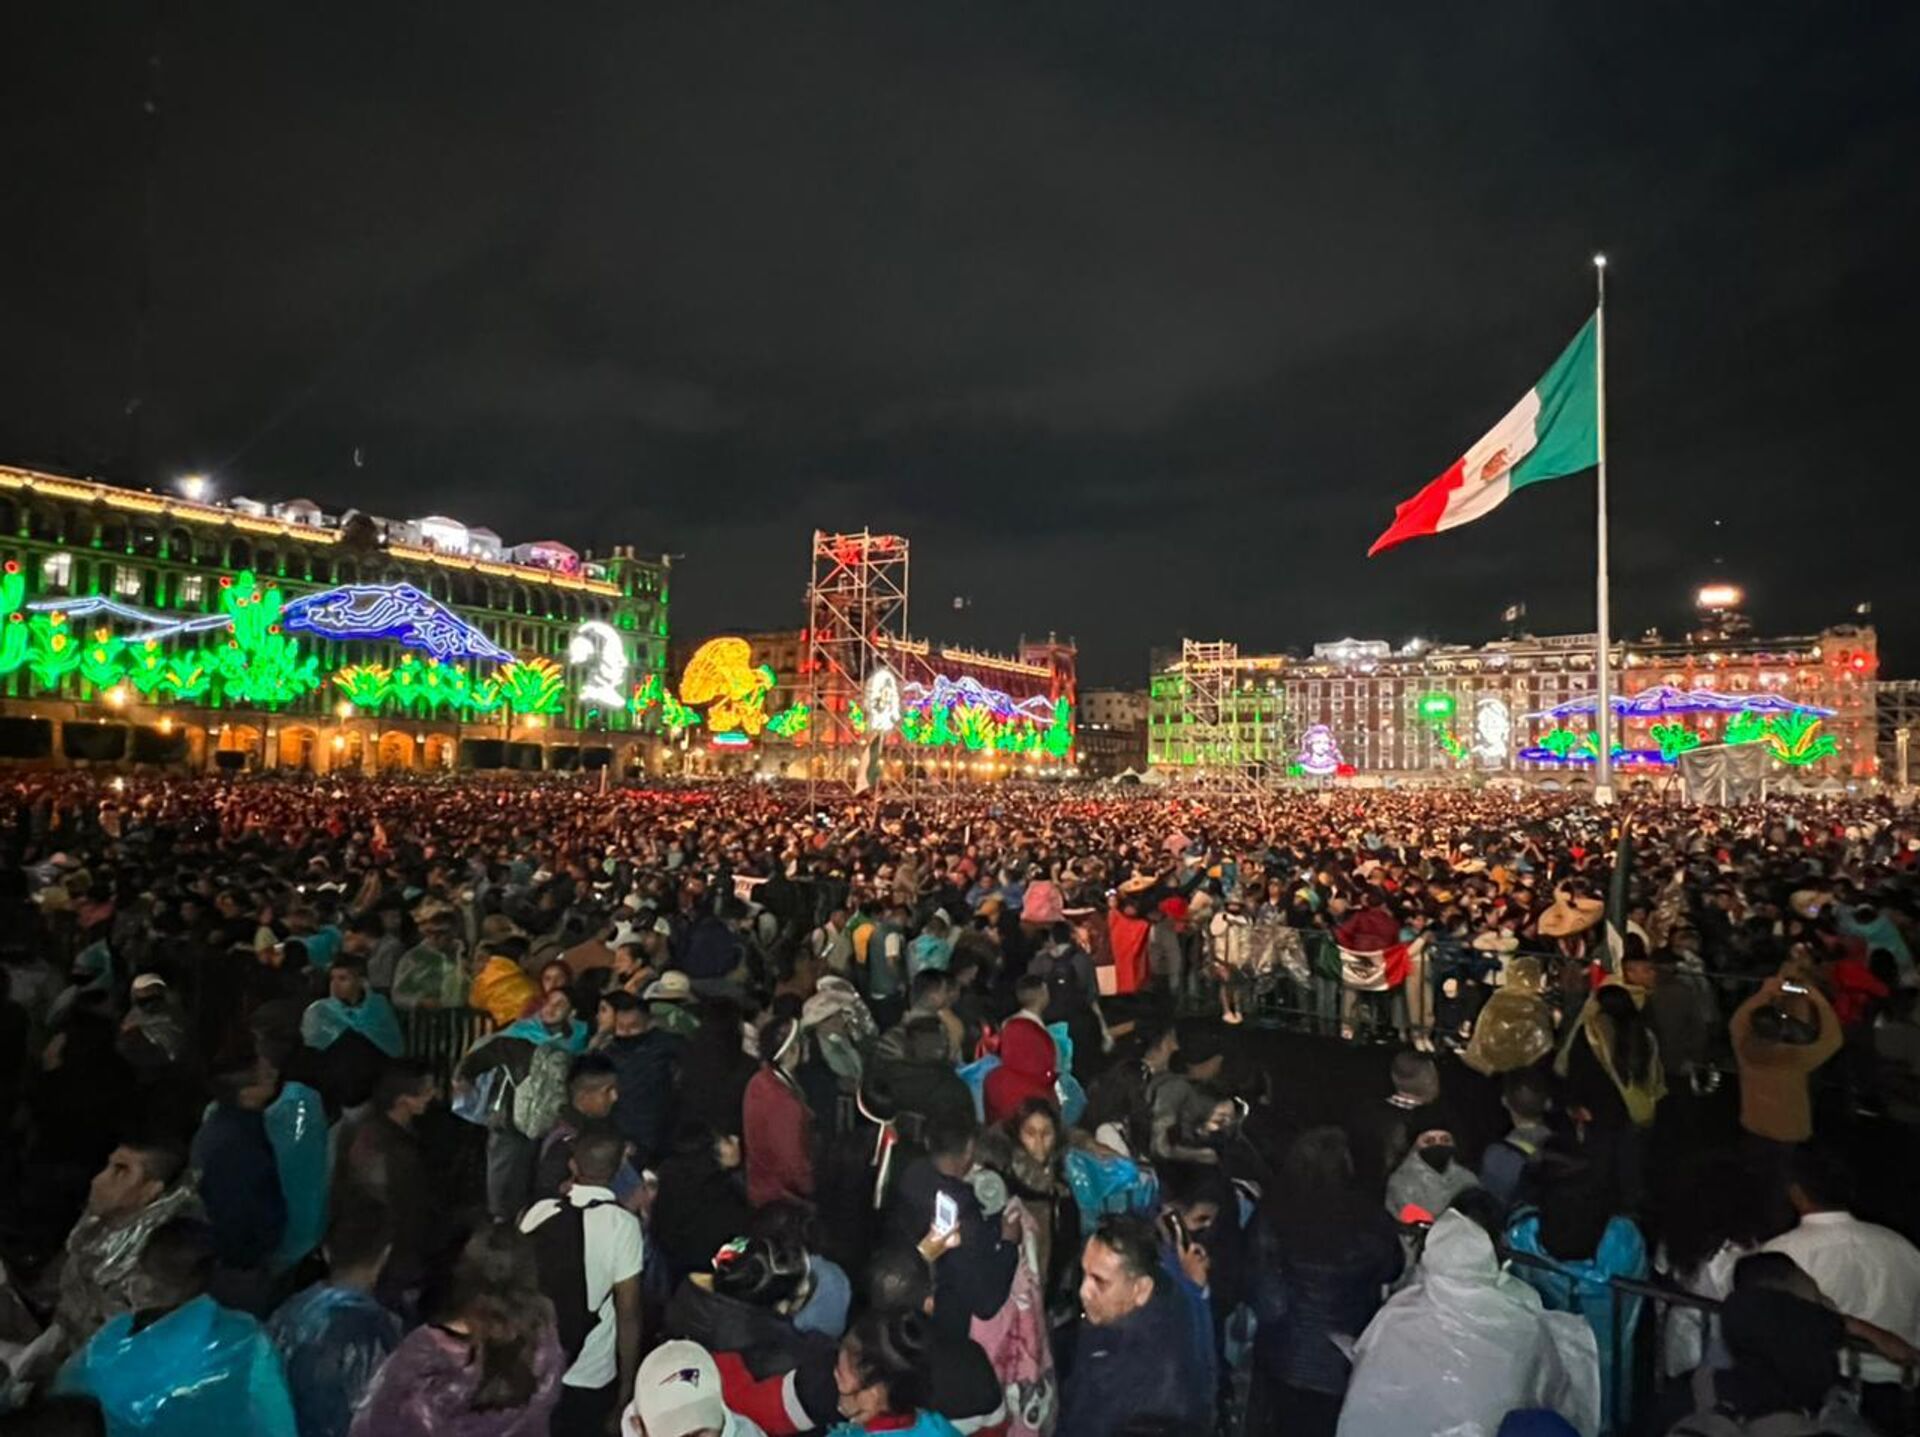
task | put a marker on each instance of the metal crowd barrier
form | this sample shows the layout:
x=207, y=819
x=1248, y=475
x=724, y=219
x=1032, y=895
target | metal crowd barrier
x=1633, y=1379
x=441, y=1037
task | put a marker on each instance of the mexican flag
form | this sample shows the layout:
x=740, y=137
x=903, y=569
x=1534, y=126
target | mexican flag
x=1552, y=432
x=868, y=777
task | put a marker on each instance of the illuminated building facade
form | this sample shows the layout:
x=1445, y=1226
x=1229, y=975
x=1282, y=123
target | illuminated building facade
x=965, y=713
x=1454, y=710
x=141, y=628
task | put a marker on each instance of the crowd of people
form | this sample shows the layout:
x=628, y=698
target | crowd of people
x=463, y=1107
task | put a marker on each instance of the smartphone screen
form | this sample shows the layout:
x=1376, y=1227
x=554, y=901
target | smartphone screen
x=946, y=1214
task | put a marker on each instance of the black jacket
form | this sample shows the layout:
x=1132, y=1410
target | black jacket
x=971, y=1281
x=240, y=1186
x=1316, y=1274
x=766, y=1343
x=1142, y=1367
x=648, y=1066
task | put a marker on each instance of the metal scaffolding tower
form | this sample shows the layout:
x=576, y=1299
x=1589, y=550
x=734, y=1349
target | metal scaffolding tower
x=856, y=602
x=1896, y=708
x=1213, y=719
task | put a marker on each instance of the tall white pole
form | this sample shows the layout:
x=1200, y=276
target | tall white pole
x=1603, y=678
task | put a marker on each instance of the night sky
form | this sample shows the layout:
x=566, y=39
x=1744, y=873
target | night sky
x=1137, y=318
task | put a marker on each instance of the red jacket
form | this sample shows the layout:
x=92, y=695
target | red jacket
x=1853, y=988
x=1029, y=1064
x=778, y=1140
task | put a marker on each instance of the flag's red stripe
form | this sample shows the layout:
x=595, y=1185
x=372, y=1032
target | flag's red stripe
x=1421, y=514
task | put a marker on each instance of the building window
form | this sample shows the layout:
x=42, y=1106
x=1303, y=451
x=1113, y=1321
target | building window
x=126, y=583
x=56, y=571
x=193, y=589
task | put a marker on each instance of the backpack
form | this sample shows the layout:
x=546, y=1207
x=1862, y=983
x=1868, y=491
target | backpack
x=1067, y=995
x=560, y=1254
x=539, y=1097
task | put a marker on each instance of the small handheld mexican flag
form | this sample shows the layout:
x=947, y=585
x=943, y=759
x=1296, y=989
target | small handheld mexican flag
x=1551, y=433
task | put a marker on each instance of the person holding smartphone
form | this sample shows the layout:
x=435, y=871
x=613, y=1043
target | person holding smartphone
x=933, y=1203
x=1780, y=1036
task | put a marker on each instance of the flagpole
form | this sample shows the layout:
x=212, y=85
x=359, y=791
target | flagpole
x=1603, y=679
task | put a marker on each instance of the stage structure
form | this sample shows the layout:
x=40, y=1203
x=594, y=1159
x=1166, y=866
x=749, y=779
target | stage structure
x=856, y=612
x=1229, y=747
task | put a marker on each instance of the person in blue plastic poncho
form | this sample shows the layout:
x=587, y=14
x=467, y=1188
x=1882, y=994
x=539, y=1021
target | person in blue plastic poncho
x=351, y=1007
x=334, y=1335
x=179, y=1364
x=1585, y=1243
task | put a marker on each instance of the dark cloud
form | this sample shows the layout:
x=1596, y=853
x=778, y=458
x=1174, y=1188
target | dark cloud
x=1137, y=318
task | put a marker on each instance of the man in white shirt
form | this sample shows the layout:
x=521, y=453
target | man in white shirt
x=1865, y=1270
x=589, y=1250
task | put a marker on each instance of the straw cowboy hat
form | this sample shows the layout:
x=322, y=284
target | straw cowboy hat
x=1495, y=941
x=1569, y=916
x=673, y=986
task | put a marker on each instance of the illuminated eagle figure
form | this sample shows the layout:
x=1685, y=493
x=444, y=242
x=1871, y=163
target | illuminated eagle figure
x=397, y=612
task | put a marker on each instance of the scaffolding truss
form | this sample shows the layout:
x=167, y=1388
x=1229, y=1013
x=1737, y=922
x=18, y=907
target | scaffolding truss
x=1221, y=731
x=1896, y=709
x=856, y=607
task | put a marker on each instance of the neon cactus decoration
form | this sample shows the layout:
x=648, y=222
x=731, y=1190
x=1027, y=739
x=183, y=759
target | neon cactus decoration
x=147, y=667
x=52, y=651
x=13, y=624
x=533, y=686
x=1674, y=739
x=259, y=664
x=100, y=660
x=790, y=723
x=1795, y=738
x=365, y=685
x=244, y=654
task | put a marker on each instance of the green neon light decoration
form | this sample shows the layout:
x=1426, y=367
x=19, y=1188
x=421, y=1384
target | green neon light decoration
x=1436, y=710
x=365, y=685
x=1674, y=739
x=147, y=667
x=13, y=624
x=259, y=664
x=1561, y=742
x=241, y=655
x=100, y=660
x=790, y=722
x=187, y=676
x=52, y=651
x=533, y=686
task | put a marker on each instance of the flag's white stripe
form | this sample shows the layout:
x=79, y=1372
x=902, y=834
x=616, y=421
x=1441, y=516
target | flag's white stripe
x=1509, y=441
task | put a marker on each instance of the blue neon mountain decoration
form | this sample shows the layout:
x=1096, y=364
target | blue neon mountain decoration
x=396, y=612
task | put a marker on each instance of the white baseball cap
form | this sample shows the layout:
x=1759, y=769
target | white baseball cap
x=677, y=1393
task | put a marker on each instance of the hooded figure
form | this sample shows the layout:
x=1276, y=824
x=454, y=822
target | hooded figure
x=1465, y=1345
x=1515, y=1028
x=1786, y=1359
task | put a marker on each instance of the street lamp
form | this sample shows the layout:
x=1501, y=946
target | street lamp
x=195, y=487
